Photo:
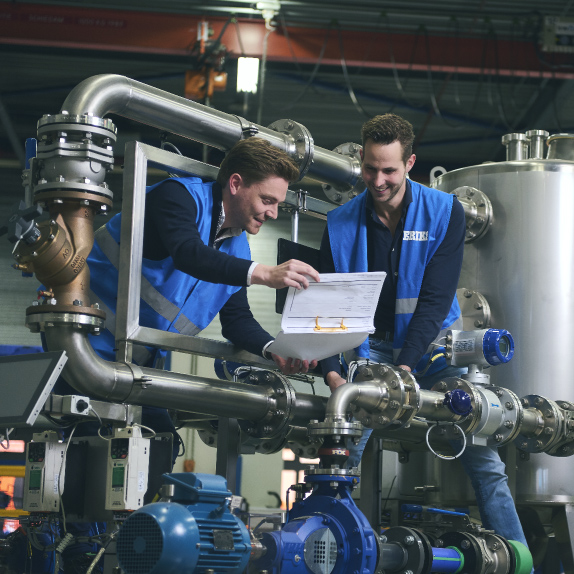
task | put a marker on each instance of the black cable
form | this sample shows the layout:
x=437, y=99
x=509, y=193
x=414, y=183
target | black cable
x=389, y=494
x=500, y=103
x=286, y=32
x=352, y=95
x=313, y=73
x=239, y=37
x=402, y=89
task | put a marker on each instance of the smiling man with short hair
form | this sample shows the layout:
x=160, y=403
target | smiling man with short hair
x=416, y=235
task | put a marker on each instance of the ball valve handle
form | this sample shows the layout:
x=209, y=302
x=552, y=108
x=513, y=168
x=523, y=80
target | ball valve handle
x=458, y=402
x=21, y=224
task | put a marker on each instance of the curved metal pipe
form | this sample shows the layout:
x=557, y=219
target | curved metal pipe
x=93, y=376
x=362, y=394
x=109, y=93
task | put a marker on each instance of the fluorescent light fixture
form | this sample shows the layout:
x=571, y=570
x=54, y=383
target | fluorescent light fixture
x=247, y=74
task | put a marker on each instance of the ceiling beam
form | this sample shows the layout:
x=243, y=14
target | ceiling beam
x=176, y=34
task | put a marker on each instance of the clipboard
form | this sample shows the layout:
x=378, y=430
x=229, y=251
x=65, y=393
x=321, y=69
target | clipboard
x=331, y=316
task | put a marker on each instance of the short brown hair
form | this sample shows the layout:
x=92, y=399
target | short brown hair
x=255, y=159
x=387, y=129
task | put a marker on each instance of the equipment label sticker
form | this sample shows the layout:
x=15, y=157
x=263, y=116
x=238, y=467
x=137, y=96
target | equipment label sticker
x=463, y=346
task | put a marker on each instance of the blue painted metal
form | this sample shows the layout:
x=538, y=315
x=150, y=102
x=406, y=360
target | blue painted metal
x=491, y=346
x=447, y=560
x=190, y=535
x=353, y=546
x=458, y=402
x=418, y=509
x=31, y=150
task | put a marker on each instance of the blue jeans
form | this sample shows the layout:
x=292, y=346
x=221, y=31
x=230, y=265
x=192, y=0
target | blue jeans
x=482, y=464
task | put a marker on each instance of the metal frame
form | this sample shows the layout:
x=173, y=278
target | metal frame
x=128, y=330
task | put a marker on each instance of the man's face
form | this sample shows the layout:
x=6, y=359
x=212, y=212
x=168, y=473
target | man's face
x=252, y=205
x=384, y=172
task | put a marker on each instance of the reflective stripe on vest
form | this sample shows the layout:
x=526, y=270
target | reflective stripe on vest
x=149, y=293
x=403, y=306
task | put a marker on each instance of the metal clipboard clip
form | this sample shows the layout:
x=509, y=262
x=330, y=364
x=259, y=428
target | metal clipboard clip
x=329, y=329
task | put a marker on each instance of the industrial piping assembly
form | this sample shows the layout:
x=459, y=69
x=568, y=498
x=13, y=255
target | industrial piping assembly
x=67, y=178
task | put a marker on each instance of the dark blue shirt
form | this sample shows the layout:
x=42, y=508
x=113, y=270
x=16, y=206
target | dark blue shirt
x=170, y=230
x=438, y=288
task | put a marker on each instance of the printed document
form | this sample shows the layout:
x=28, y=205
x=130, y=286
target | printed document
x=329, y=317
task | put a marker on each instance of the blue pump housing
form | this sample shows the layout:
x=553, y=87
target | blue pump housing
x=325, y=533
x=190, y=535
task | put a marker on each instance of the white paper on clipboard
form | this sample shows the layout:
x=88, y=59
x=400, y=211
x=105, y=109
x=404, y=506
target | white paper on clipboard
x=329, y=317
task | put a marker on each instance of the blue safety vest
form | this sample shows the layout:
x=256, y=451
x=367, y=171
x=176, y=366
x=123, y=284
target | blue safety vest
x=426, y=224
x=171, y=300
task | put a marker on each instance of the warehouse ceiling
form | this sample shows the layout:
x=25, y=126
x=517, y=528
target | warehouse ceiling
x=463, y=72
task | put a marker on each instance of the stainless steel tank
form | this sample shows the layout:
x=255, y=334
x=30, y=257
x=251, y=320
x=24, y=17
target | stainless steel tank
x=524, y=266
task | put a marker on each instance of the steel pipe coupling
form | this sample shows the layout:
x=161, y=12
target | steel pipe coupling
x=477, y=211
x=74, y=154
x=395, y=402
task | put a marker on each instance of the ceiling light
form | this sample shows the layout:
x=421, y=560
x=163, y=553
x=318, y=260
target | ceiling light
x=247, y=74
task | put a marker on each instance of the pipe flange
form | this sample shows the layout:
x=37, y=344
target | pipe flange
x=280, y=415
x=37, y=319
x=329, y=471
x=470, y=548
x=548, y=436
x=495, y=547
x=303, y=140
x=473, y=420
x=299, y=441
x=101, y=204
x=87, y=151
x=474, y=309
x=89, y=123
x=399, y=400
x=340, y=194
x=512, y=417
x=477, y=210
x=335, y=428
x=416, y=546
x=43, y=186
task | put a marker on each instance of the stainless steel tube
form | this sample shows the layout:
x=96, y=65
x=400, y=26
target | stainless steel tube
x=109, y=93
x=431, y=407
x=363, y=394
x=93, y=376
x=100, y=95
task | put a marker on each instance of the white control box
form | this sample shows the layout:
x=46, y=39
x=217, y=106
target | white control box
x=127, y=471
x=45, y=473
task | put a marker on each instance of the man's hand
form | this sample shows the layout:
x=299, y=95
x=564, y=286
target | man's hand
x=405, y=367
x=334, y=380
x=292, y=273
x=292, y=366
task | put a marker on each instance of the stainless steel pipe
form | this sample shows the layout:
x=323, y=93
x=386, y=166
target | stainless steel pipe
x=109, y=93
x=93, y=376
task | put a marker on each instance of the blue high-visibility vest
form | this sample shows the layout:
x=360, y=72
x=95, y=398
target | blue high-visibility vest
x=171, y=300
x=426, y=223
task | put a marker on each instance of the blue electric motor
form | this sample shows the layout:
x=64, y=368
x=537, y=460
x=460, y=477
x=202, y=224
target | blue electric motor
x=190, y=535
x=324, y=534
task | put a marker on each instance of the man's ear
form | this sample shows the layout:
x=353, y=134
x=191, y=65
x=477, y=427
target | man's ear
x=411, y=162
x=235, y=182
